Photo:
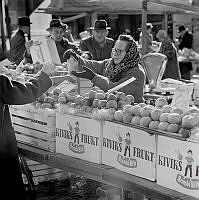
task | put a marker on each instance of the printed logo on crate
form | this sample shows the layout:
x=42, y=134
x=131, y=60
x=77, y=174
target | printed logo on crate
x=129, y=149
x=78, y=136
x=179, y=160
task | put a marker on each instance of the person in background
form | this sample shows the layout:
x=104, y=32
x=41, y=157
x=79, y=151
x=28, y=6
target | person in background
x=98, y=44
x=16, y=93
x=106, y=74
x=57, y=30
x=149, y=38
x=168, y=48
x=185, y=38
x=17, y=43
x=185, y=41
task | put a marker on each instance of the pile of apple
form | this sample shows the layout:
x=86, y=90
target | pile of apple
x=160, y=117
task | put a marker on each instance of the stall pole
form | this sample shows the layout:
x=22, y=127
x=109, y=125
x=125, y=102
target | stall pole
x=144, y=21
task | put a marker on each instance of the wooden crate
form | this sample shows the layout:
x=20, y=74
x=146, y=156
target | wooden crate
x=42, y=172
x=34, y=126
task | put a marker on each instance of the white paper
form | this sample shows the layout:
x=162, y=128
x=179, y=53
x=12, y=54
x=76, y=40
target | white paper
x=122, y=85
x=182, y=96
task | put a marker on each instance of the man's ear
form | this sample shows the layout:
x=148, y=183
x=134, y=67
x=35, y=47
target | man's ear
x=107, y=32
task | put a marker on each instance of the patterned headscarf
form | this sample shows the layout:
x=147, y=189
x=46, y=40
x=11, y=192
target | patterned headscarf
x=130, y=60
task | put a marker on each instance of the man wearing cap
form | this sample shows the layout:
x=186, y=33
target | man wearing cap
x=17, y=43
x=98, y=44
x=185, y=41
x=185, y=38
x=57, y=31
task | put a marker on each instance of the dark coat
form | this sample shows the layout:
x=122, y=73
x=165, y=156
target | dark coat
x=17, y=47
x=14, y=93
x=172, y=68
x=98, y=52
x=135, y=88
x=186, y=40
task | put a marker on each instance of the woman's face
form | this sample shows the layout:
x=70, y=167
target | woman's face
x=119, y=51
x=57, y=34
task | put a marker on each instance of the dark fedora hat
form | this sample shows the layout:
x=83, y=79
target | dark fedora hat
x=24, y=21
x=181, y=28
x=100, y=25
x=56, y=23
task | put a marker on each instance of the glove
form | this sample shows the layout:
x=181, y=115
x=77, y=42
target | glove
x=87, y=73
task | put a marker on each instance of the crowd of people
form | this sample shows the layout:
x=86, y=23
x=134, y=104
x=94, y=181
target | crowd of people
x=98, y=58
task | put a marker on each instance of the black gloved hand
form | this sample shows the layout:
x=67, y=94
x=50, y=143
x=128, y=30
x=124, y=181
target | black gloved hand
x=87, y=73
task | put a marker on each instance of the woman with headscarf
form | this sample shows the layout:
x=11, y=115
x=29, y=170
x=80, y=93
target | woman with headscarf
x=106, y=74
x=168, y=48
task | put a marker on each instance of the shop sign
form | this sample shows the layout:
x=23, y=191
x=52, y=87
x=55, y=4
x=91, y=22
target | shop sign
x=129, y=149
x=178, y=165
x=78, y=137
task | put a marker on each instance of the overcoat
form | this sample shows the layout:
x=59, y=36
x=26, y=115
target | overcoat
x=14, y=93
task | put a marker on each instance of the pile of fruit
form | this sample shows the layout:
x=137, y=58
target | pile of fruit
x=121, y=108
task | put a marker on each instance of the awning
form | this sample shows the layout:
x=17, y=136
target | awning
x=68, y=7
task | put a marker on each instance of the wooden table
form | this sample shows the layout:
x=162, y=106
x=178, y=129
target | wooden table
x=102, y=173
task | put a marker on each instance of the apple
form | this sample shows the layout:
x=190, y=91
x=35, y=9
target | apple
x=136, y=120
x=189, y=122
x=146, y=111
x=128, y=109
x=174, y=118
x=130, y=99
x=121, y=96
x=92, y=94
x=118, y=115
x=102, y=103
x=111, y=97
x=163, y=126
x=173, y=128
x=164, y=117
x=99, y=95
x=160, y=102
x=127, y=118
x=48, y=99
x=136, y=110
x=95, y=103
x=154, y=124
x=145, y=121
x=177, y=110
x=42, y=97
x=111, y=104
x=155, y=114
x=166, y=109
x=46, y=105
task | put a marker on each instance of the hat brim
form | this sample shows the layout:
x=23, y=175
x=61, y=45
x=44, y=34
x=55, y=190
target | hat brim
x=50, y=28
x=93, y=28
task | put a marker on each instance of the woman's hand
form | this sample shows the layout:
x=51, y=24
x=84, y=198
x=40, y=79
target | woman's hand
x=87, y=73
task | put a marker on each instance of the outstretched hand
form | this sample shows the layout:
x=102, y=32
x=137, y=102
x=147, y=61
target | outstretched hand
x=87, y=73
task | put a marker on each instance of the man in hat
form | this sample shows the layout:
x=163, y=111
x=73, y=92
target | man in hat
x=185, y=38
x=57, y=31
x=98, y=44
x=17, y=43
x=185, y=41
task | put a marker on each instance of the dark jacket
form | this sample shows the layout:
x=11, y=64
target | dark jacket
x=62, y=46
x=14, y=93
x=186, y=40
x=98, y=52
x=172, y=68
x=17, y=47
x=135, y=88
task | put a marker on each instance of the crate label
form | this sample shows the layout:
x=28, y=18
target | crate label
x=178, y=165
x=128, y=149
